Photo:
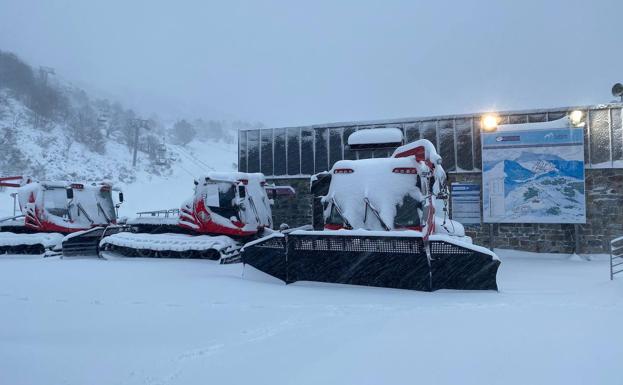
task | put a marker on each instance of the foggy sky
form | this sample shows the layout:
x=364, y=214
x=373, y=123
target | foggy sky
x=303, y=62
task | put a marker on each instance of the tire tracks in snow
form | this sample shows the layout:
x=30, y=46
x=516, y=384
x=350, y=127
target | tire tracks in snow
x=243, y=337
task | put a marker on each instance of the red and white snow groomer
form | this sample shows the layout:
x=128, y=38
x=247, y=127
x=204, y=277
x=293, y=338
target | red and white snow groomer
x=52, y=209
x=227, y=209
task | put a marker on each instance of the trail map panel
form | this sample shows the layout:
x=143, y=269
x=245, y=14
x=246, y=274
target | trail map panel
x=534, y=173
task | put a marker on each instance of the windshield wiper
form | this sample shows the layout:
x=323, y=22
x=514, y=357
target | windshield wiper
x=257, y=216
x=339, y=212
x=376, y=213
x=80, y=208
x=99, y=206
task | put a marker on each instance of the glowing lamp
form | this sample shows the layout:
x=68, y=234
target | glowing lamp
x=490, y=122
x=576, y=117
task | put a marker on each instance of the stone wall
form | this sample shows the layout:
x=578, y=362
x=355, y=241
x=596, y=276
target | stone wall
x=604, y=205
x=295, y=211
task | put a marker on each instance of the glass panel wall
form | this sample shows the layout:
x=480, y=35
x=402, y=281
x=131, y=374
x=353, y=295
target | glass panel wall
x=349, y=154
x=266, y=153
x=280, y=151
x=253, y=141
x=294, y=151
x=477, y=147
x=617, y=137
x=307, y=151
x=556, y=115
x=599, y=128
x=412, y=132
x=537, y=118
x=335, y=145
x=429, y=131
x=518, y=119
x=446, y=146
x=242, y=151
x=322, y=153
x=365, y=154
x=504, y=119
x=464, y=160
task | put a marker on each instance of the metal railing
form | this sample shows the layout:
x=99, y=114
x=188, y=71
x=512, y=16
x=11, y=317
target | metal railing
x=160, y=213
x=616, y=257
x=14, y=218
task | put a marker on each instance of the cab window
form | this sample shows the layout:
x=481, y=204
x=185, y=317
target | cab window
x=407, y=214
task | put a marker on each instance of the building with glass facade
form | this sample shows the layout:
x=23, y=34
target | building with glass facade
x=296, y=153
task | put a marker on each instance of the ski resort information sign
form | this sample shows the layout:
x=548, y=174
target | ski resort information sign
x=465, y=200
x=534, y=173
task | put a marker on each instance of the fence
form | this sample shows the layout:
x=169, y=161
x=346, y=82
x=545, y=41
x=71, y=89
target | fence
x=160, y=213
x=616, y=256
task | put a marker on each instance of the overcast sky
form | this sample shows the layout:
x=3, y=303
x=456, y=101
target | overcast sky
x=303, y=62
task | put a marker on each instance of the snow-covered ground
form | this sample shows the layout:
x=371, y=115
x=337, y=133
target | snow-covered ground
x=556, y=320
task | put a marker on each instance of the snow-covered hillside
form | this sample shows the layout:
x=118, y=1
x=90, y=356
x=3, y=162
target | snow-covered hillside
x=51, y=154
x=556, y=320
x=152, y=192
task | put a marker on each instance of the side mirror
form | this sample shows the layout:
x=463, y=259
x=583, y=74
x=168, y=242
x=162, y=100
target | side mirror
x=120, y=197
x=70, y=193
x=242, y=192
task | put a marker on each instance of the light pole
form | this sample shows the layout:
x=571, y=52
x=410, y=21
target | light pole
x=44, y=72
x=14, y=196
x=138, y=123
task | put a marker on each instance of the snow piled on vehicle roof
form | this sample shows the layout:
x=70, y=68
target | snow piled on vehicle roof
x=429, y=150
x=375, y=136
x=373, y=179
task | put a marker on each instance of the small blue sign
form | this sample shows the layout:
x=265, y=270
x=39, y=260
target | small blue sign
x=465, y=198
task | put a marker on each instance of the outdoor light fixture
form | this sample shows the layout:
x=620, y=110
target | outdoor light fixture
x=576, y=117
x=617, y=91
x=490, y=122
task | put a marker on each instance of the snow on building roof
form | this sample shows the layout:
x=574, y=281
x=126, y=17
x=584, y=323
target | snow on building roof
x=375, y=136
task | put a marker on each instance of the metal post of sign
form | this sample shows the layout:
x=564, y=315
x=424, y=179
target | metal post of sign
x=491, y=243
x=576, y=236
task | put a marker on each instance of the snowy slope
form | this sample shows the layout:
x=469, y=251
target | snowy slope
x=53, y=156
x=556, y=320
x=151, y=192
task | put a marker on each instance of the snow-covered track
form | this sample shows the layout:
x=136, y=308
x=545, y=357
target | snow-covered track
x=221, y=248
x=35, y=244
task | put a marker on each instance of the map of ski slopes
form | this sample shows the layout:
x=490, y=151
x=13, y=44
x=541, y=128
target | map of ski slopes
x=534, y=173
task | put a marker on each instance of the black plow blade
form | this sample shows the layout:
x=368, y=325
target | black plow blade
x=399, y=262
